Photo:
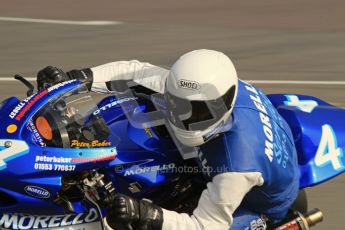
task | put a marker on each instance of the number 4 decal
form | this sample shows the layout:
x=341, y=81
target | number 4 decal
x=14, y=150
x=328, y=151
x=306, y=106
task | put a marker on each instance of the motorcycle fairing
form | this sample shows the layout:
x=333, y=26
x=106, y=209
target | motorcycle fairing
x=15, y=112
x=319, y=134
x=39, y=167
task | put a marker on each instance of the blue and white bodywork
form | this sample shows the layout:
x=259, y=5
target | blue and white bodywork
x=32, y=172
x=139, y=162
x=319, y=133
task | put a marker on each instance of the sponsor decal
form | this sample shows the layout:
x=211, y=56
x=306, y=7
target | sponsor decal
x=36, y=191
x=113, y=104
x=260, y=224
x=213, y=132
x=276, y=142
x=23, y=221
x=24, y=106
x=204, y=163
x=94, y=159
x=53, y=159
x=95, y=143
x=148, y=132
x=186, y=84
x=265, y=120
x=44, y=128
x=11, y=128
x=54, y=167
x=149, y=169
x=66, y=164
x=36, y=136
x=54, y=163
x=134, y=187
x=57, y=86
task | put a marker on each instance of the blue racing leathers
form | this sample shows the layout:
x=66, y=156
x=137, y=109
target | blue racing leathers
x=259, y=141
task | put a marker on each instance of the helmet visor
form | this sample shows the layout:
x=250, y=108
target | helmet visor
x=198, y=115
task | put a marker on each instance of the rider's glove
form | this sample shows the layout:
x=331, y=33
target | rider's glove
x=126, y=213
x=50, y=76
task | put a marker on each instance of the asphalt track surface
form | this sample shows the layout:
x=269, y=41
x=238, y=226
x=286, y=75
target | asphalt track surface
x=270, y=40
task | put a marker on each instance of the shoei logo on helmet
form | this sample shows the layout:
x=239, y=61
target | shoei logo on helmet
x=188, y=84
x=44, y=128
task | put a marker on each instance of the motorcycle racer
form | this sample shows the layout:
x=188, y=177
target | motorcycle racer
x=234, y=126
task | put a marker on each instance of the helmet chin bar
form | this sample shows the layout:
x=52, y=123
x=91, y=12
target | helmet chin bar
x=192, y=138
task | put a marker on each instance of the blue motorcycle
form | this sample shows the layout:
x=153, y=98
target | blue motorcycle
x=61, y=154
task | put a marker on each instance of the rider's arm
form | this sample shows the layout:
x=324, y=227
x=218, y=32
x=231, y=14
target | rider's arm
x=99, y=78
x=217, y=203
x=145, y=74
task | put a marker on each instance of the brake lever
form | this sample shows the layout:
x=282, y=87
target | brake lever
x=90, y=200
x=26, y=83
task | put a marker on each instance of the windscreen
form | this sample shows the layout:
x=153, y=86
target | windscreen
x=69, y=121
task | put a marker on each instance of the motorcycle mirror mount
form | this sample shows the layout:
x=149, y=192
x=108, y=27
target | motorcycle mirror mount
x=26, y=83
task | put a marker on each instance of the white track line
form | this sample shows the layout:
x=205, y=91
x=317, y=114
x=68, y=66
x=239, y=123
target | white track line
x=64, y=22
x=12, y=79
x=268, y=82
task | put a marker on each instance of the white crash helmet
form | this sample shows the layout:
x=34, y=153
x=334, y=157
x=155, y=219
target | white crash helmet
x=200, y=91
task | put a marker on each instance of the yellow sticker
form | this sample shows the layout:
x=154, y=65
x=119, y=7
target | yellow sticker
x=148, y=132
x=95, y=143
x=11, y=128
